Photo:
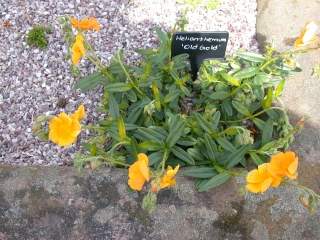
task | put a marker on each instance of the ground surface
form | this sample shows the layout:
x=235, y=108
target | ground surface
x=54, y=203
x=33, y=81
x=60, y=203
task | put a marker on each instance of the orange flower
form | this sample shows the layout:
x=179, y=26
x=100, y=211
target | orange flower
x=64, y=129
x=168, y=179
x=78, y=50
x=85, y=23
x=139, y=172
x=80, y=113
x=307, y=36
x=284, y=165
x=259, y=180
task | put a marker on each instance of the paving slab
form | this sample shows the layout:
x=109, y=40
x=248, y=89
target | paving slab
x=277, y=22
x=61, y=203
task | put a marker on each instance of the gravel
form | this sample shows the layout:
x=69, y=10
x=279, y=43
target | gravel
x=33, y=81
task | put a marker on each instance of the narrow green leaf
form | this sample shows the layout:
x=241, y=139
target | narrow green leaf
x=250, y=56
x=89, y=82
x=121, y=129
x=216, y=120
x=203, y=123
x=155, y=158
x=149, y=134
x=267, y=132
x=259, y=123
x=256, y=159
x=199, y=172
x=267, y=102
x=235, y=157
x=150, y=146
x=279, y=88
x=211, y=147
x=176, y=131
x=195, y=153
x=182, y=154
x=113, y=107
x=241, y=108
x=248, y=72
x=171, y=96
x=227, y=107
x=219, y=95
x=223, y=142
x=214, y=182
x=118, y=87
x=230, y=79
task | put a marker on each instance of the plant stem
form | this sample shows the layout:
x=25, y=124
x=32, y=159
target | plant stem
x=164, y=159
x=304, y=188
x=252, y=116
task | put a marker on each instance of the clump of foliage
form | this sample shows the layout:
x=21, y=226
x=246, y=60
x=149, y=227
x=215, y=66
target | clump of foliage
x=213, y=126
x=37, y=36
x=191, y=5
x=158, y=120
x=208, y=4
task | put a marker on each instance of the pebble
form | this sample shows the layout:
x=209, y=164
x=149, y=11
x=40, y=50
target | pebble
x=32, y=80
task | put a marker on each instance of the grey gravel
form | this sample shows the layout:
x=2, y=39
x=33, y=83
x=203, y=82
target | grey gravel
x=32, y=81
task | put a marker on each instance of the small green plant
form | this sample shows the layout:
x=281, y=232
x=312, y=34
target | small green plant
x=36, y=37
x=189, y=6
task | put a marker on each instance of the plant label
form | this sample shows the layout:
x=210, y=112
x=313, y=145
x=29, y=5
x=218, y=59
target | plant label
x=199, y=46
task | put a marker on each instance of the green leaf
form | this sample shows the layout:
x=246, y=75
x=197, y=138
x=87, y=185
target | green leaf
x=230, y=79
x=259, y=123
x=199, y=172
x=149, y=134
x=267, y=132
x=150, y=146
x=223, y=142
x=176, y=130
x=267, y=102
x=248, y=72
x=227, y=107
x=113, y=107
x=121, y=129
x=251, y=57
x=215, y=120
x=195, y=153
x=171, y=96
x=155, y=158
x=89, y=82
x=162, y=36
x=214, y=182
x=256, y=159
x=241, y=108
x=182, y=154
x=203, y=123
x=219, y=95
x=211, y=147
x=235, y=157
x=118, y=87
x=279, y=88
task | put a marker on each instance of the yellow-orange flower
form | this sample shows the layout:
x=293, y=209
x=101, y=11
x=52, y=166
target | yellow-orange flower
x=80, y=113
x=307, y=36
x=139, y=172
x=168, y=180
x=63, y=129
x=259, y=180
x=284, y=165
x=78, y=49
x=85, y=23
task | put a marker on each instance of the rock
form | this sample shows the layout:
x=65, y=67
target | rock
x=61, y=203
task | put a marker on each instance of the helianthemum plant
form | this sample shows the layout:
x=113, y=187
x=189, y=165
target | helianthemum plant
x=159, y=122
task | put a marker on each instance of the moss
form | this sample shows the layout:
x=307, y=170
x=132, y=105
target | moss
x=36, y=37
